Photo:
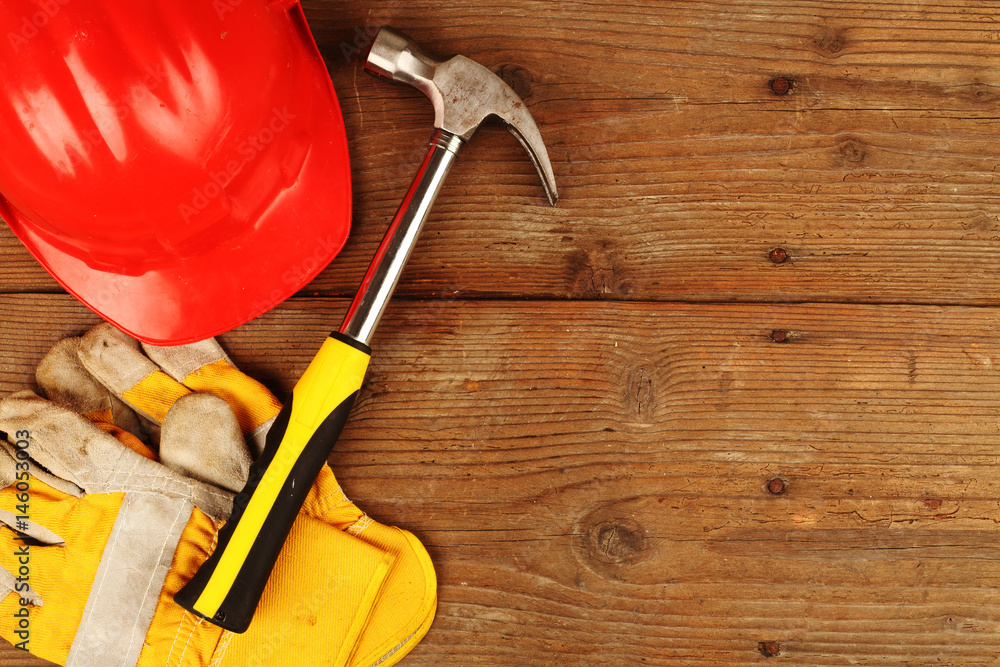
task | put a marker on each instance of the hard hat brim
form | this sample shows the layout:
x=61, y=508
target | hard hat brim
x=227, y=285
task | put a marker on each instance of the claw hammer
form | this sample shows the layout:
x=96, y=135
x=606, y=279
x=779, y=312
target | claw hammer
x=229, y=584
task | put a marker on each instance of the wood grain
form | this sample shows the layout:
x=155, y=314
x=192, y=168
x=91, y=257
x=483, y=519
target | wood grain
x=579, y=409
x=679, y=168
x=591, y=478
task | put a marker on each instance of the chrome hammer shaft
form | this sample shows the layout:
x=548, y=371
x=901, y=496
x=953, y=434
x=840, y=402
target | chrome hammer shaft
x=390, y=259
x=464, y=94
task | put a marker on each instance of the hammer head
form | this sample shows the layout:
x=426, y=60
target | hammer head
x=464, y=94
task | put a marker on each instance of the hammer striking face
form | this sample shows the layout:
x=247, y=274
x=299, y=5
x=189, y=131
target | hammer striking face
x=463, y=93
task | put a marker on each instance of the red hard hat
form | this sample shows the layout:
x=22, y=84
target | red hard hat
x=180, y=166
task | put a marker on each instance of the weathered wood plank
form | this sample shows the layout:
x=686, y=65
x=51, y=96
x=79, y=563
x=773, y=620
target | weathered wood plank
x=679, y=167
x=11, y=657
x=591, y=478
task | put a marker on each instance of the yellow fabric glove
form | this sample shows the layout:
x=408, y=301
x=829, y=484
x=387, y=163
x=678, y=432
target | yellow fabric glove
x=124, y=531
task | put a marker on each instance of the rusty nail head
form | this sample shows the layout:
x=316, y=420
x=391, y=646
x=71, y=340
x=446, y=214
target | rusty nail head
x=776, y=486
x=779, y=336
x=781, y=85
x=769, y=649
x=778, y=255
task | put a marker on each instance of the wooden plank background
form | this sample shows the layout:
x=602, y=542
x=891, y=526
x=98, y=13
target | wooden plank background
x=578, y=409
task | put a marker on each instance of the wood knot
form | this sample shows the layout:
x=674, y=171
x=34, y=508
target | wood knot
x=374, y=384
x=617, y=541
x=639, y=395
x=981, y=222
x=597, y=271
x=852, y=151
x=769, y=649
x=781, y=85
x=981, y=92
x=518, y=78
x=778, y=255
x=831, y=41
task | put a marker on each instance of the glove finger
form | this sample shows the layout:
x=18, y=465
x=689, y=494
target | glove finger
x=201, y=439
x=30, y=528
x=69, y=446
x=64, y=381
x=205, y=367
x=126, y=438
x=9, y=584
x=8, y=461
x=117, y=362
x=8, y=466
x=8, y=476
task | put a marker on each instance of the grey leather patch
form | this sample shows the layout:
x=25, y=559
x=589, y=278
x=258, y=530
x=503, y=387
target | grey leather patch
x=129, y=579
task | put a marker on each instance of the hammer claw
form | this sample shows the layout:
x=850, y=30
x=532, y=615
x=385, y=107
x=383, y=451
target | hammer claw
x=527, y=133
x=464, y=94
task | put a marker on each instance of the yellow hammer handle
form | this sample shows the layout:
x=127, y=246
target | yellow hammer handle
x=228, y=586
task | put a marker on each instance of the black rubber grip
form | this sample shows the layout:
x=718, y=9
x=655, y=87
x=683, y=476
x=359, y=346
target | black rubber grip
x=239, y=605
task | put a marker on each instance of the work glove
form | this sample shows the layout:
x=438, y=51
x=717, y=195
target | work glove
x=106, y=525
